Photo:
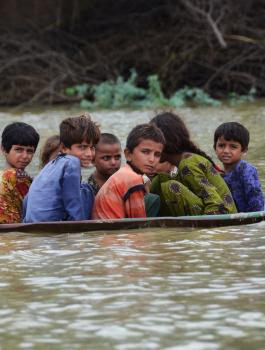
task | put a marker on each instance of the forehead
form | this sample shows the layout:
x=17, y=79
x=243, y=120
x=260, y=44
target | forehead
x=84, y=143
x=223, y=140
x=108, y=148
x=151, y=145
x=23, y=147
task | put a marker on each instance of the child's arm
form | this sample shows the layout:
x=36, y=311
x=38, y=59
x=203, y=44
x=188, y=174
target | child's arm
x=253, y=192
x=75, y=201
x=134, y=202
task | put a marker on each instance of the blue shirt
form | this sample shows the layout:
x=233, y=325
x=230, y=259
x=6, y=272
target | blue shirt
x=56, y=193
x=245, y=187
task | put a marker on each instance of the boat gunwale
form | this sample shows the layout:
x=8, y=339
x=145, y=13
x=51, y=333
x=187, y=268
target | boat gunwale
x=203, y=221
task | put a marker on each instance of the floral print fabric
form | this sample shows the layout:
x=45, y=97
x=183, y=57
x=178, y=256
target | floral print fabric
x=245, y=187
x=14, y=185
x=197, y=189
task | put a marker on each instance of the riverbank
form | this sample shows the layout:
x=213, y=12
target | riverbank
x=218, y=48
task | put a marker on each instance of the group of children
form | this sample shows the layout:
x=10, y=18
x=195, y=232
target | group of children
x=165, y=173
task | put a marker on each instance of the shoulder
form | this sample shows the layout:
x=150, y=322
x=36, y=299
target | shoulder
x=197, y=163
x=123, y=179
x=245, y=168
x=64, y=161
x=12, y=175
x=67, y=159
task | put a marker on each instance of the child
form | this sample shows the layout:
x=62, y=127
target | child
x=56, y=193
x=107, y=160
x=197, y=188
x=230, y=144
x=123, y=194
x=50, y=150
x=19, y=143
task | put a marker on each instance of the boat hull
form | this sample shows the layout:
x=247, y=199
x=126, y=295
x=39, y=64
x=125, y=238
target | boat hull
x=203, y=221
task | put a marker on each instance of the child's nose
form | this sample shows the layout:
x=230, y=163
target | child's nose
x=151, y=158
x=89, y=152
x=25, y=154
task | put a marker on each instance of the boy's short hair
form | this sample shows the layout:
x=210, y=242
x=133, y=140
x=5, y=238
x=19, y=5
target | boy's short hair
x=144, y=132
x=78, y=129
x=106, y=138
x=232, y=131
x=19, y=133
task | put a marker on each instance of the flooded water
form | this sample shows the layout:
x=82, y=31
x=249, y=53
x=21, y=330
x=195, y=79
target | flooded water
x=183, y=289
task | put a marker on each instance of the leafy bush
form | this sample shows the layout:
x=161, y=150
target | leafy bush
x=125, y=93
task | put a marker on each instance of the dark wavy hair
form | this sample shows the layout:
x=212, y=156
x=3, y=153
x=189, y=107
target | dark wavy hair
x=177, y=135
x=144, y=132
x=78, y=129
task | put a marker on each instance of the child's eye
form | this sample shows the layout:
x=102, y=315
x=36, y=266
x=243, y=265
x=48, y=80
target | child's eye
x=157, y=154
x=117, y=157
x=106, y=158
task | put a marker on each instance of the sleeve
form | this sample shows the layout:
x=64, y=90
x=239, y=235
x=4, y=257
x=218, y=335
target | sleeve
x=195, y=178
x=253, y=192
x=134, y=202
x=72, y=194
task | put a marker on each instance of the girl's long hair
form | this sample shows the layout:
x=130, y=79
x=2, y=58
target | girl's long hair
x=177, y=135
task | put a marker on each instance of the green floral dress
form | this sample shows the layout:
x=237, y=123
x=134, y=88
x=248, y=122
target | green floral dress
x=197, y=189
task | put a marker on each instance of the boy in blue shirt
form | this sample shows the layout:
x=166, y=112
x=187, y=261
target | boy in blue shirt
x=230, y=144
x=57, y=194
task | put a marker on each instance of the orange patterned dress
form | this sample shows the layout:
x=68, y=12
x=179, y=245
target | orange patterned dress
x=14, y=185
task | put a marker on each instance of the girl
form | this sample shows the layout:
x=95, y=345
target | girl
x=197, y=187
x=50, y=150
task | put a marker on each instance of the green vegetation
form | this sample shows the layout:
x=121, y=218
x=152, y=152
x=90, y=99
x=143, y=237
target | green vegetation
x=126, y=94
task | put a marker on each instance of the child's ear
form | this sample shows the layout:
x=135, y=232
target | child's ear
x=127, y=154
x=64, y=149
x=3, y=150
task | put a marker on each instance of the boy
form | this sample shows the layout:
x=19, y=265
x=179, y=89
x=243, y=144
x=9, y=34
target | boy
x=57, y=194
x=107, y=160
x=123, y=194
x=19, y=143
x=230, y=144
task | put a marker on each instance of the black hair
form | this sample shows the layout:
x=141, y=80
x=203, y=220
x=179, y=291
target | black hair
x=177, y=135
x=106, y=138
x=19, y=133
x=232, y=131
x=144, y=132
x=78, y=129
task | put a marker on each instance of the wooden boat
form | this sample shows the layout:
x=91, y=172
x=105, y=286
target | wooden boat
x=126, y=224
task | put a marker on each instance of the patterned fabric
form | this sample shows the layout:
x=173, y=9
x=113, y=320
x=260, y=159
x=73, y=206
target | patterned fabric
x=122, y=196
x=245, y=187
x=176, y=199
x=93, y=184
x=14, y=185
x=197, y=189
x=56, y=193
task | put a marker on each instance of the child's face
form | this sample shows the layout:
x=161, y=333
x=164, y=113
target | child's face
x=108, y=158
x=84, y=151
x=164, y=167
x=19, y=156
x=228, y=152
x=145, y=156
